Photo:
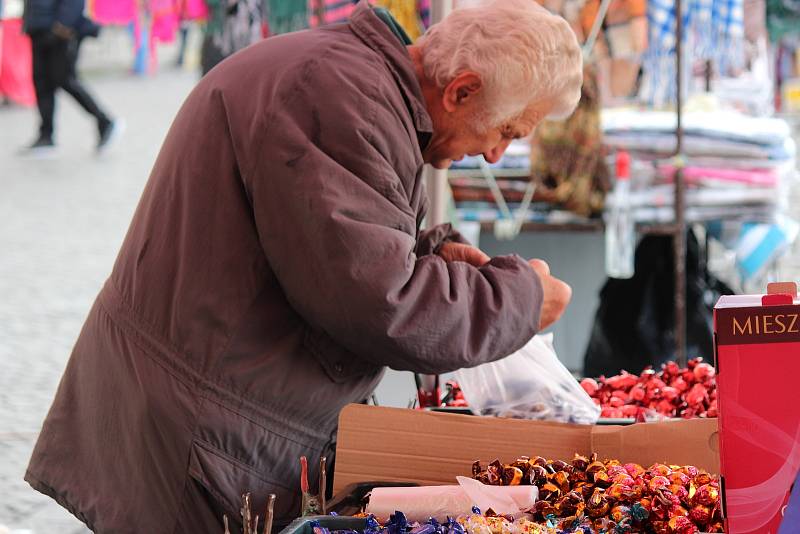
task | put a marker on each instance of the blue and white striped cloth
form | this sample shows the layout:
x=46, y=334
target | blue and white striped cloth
x=713, y=30
x=759, y=245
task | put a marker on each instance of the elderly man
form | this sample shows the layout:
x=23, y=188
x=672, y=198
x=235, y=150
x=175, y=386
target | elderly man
x=275, y=264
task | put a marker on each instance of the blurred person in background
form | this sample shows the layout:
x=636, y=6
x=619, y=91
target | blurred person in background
x=56, y=28
x=276, y=264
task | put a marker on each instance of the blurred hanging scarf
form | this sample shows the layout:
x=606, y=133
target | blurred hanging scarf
x=286, y=16
x=233, y=24
x=406, y=13
x=713, y=31
x=568, y=159
x=783, y=18
x=330, y=11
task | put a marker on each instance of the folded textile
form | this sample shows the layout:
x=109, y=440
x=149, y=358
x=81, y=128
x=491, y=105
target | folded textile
x=665, y=144
x=724, y=125
x=720, y=176
x=664, y=195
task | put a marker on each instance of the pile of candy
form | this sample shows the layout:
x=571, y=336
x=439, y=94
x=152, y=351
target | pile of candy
x=476, y=523
x=398, y=524
x=608, y=496
x=492, y=524
x=671, y=392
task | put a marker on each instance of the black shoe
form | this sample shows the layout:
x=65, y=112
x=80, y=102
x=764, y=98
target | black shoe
x=110, y=132
x=42, y=147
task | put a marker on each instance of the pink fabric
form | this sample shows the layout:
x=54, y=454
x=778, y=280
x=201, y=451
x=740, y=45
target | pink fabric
x=16, y=68
x=424, y=9
x=332, y=11
x=194, y=10
x=755, y=177
x=114, y=11
x=165, y=21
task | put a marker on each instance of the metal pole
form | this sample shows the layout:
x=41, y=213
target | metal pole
x=435, y=179
x=679, y=239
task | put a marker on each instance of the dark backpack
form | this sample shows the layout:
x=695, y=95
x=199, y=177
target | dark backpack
x=635, y=327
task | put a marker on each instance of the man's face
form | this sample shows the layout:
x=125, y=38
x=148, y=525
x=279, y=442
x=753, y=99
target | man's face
x=458, y=134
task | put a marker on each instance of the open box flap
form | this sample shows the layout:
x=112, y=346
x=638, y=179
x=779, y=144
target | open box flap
x=429, y=448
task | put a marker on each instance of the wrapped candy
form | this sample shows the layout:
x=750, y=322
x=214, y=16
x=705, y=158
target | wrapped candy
x=670, y=392
x=700, y=514
x=682, y=525
x=607, y=496
x=706, y=495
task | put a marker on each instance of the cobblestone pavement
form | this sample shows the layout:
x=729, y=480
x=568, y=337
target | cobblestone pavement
x=61, y=223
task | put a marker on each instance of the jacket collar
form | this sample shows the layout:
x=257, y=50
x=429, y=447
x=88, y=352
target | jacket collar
x=377, y=35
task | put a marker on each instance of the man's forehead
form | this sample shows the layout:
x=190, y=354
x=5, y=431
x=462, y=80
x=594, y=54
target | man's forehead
x=527, y=119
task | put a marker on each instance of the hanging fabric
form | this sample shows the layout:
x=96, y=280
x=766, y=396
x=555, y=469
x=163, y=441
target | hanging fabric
x=623, y=41
x=284, y=16
x=232, y=26
x=164, y=20
x=783, y=18
x=113, y=11
x=424, y=9
x=193, y=10
x=330, y=11
x=568, y=159
x=714, y=29
x=406, y=14
x=16, y=76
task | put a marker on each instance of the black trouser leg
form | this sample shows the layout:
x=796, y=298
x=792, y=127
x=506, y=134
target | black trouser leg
x=75, y=88
x=49, y=69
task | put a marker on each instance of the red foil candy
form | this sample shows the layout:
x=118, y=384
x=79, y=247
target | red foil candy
x=664, y=499
x=682, y=525
x=669, y=392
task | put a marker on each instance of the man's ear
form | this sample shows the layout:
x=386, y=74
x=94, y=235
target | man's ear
x=462, y=90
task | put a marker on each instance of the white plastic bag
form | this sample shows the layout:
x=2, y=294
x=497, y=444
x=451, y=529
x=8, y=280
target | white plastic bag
x=530, y=384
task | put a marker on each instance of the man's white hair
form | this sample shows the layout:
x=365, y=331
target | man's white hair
x=524, y=55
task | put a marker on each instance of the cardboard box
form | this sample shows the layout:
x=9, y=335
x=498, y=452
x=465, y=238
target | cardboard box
x=758, y=364
x=431, y=448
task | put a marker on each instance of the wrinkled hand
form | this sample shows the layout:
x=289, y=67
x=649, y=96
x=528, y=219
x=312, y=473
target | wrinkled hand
x=461, y=252
x=556, y=294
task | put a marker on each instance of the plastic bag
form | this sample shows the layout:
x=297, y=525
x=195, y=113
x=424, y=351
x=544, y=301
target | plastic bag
x=530, y=384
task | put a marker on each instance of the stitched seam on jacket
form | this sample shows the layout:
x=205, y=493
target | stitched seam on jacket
x=46, y=489
x=175, y=367
x=238, y=462
x=185, y=486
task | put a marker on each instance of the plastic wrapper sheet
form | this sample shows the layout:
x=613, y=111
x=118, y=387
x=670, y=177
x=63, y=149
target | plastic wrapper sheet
x=440, y=502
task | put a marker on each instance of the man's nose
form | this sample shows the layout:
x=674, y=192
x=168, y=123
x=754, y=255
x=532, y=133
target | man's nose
x=494, y=155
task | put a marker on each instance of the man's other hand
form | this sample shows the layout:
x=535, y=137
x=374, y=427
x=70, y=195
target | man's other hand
x=556, y=294
x=461, y=252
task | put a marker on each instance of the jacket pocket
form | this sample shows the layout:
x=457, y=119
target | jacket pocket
x=339, y=364
x=225, y=479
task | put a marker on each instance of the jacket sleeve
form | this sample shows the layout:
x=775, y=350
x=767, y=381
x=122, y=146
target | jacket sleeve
x=338, y=230
x=69, y=12
x=429, y=240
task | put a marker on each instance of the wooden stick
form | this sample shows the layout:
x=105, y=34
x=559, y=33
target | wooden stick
x=246, y=511
x=323, y=485
x=303, y=474
x=269, y=514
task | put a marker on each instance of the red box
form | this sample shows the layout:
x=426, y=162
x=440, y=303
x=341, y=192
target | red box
x=758, y=379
